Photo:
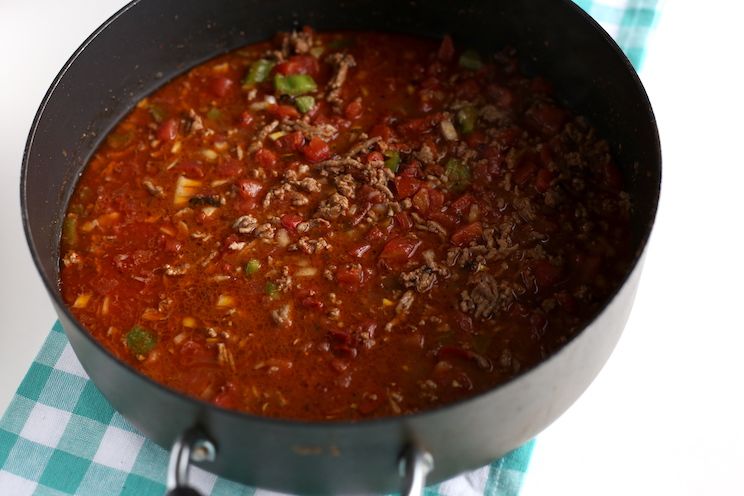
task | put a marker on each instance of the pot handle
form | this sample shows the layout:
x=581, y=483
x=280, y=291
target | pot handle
x=414, y=465
x=194, y=446
x=191, y=446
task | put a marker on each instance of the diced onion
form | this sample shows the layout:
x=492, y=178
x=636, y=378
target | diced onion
x=189, y=322
x=275, y=136
x=208, y=211
x=306, y=272
x=82, y=300
x=185, y=189
x=448, y=130
x=474, y=213
x=209, y=154
x=105, y=305
x=282, y=238
x=269, y=100
x=180, y=338
x=225, y=301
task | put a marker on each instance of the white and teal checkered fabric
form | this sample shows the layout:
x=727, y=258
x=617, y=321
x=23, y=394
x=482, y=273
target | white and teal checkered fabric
x=60, y=436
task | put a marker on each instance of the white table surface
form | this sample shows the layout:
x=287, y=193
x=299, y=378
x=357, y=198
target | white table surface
x=666, y=415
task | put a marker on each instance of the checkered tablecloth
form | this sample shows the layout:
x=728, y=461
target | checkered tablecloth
x=59, y=436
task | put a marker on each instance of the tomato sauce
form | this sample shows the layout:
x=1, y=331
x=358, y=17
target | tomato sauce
x=344, y=225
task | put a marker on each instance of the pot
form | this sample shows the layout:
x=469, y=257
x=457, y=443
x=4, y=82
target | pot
x=147, y=43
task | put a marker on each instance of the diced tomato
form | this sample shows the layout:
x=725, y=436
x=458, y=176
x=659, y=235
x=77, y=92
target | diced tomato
x=547, y=118
x=229, y=240
x=282, y=111
x=312, y=302
x=446, y=49
x=316, y=150
x=546, y=274
x=359, y=250
x=370, y=402
x=265, y=157
x=195, y=353
x=436, y=200
x=172, y=245
x=445, y=220
x=350, y=276
x=501, y=95
x=354, y=110
x=375, y=157
x=381, y=130
x=299, y=64
x=246, y=119
x=229, y=168
x=462, y=205
x=249, y=188
x=421, y=200
x=168, y=130
x=189, y=169
x=523, y=173
x=399, y=250
x=221, y=85
x=476, y=138
x=543, y=180
x=290, y=142
x=290, y=221
x=227, y=397
x=375, y=234
x=467, y=234
x=406, y=186
x=411, y=169
x=403, y=220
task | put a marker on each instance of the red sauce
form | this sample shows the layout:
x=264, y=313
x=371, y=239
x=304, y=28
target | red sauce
x=344, y=225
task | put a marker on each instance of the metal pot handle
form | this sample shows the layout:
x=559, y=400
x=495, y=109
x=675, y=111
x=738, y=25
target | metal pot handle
x=194, y=446
x=414, y=465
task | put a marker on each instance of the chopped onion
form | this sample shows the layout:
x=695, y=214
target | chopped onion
x=188, y=322
x=185, y=189
x=225, y=301
x=448, y=130
x=105, y=305
x=474, y=213
x=209, y=154
x=282, y=238
x=82, y=300
x=269, y=100
x=306, y=272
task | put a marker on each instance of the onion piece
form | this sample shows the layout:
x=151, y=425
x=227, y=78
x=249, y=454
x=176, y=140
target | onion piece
x=306, y=272
x=282, y=238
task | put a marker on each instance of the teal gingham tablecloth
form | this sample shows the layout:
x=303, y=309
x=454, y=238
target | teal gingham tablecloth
x=60, y=436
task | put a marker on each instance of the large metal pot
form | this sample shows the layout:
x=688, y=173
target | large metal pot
x=148, y=42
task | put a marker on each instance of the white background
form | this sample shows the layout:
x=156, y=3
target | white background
x=666, y=415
